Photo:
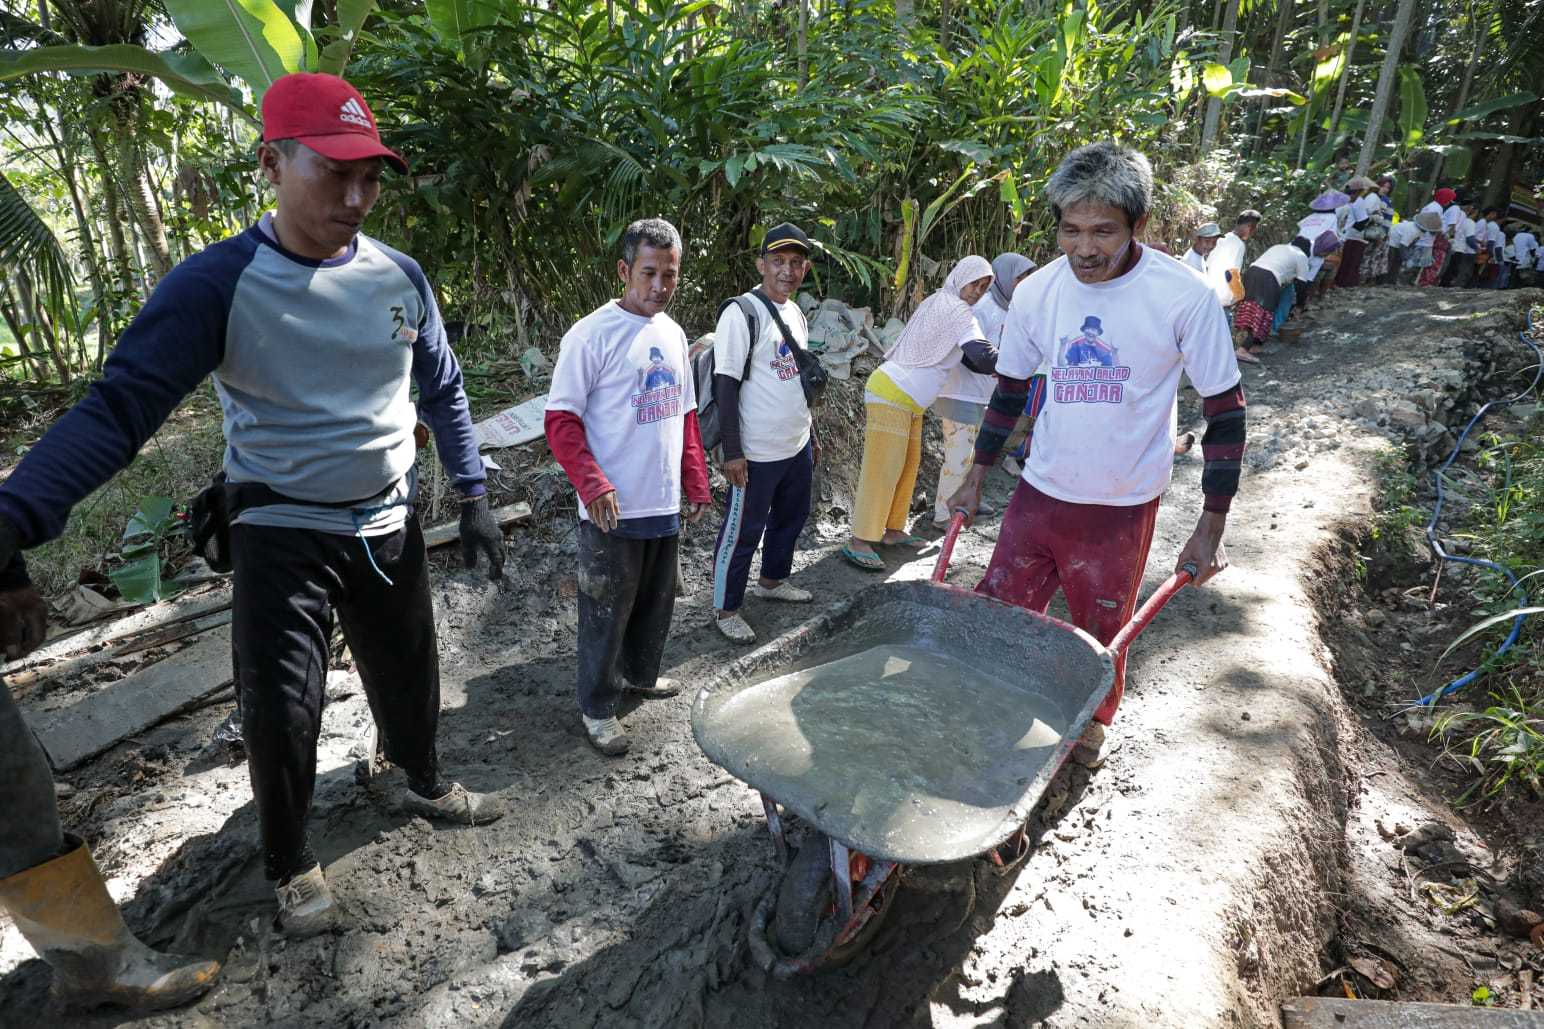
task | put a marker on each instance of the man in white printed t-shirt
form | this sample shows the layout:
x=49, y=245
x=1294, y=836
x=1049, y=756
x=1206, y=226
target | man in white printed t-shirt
x=1119, y=322
x=622, y=422
x=768, y=435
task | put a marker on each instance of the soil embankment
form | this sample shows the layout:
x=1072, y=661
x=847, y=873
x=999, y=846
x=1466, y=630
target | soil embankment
x=1194, y=880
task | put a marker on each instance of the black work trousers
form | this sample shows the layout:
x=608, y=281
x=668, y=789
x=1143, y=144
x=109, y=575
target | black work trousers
x=29, y=814
x=626, y=600
x=288, y=583
x=1459, y=270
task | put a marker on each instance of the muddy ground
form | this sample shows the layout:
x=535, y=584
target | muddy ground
x=1203, y=874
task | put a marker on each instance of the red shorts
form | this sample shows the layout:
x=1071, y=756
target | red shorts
x=1094, y=553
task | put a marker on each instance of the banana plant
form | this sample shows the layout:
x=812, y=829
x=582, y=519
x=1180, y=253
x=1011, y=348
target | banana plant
x=254, y=42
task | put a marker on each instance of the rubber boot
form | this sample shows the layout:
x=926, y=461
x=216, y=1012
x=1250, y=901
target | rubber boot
x=63, y=909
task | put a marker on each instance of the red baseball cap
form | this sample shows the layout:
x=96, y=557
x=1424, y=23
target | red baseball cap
x=326, y=114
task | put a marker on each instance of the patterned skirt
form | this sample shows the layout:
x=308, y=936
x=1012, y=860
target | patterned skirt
x=1433, y=271
x=1253, y=319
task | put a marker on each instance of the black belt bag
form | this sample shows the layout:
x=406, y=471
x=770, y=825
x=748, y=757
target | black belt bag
x=216, y=506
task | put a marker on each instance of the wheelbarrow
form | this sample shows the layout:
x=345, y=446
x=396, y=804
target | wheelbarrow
x=915, y=723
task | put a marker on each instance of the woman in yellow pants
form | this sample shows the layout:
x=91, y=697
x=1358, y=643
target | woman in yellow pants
x=943, y=332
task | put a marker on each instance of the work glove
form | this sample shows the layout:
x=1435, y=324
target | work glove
x=23, y=614
x=480, y=535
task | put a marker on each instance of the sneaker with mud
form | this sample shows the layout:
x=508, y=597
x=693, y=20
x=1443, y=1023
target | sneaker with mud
x=606, y=735
x=785, y=591
x=457, y=804
x=306, y=905
x=735, y=629
x=663, y=687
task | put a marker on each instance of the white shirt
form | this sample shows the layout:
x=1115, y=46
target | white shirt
x=774, y=418
x=964, y=384
x=1106, y=434
x=1195, y=260
x=1496, y=234
x=1404, y=234
x=1227, y=255
x=1346, y=217
x=1452, y=215
x=629, y=379
x=1462, y=230
x=1311, y=228
x=1527, y=245
x=1286, y=262
x=925, y=385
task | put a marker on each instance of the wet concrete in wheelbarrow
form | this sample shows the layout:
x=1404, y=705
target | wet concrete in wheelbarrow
x=1190, y=881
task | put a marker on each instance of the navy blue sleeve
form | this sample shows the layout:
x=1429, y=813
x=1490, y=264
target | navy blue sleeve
x=441, y=392
x=177, y=339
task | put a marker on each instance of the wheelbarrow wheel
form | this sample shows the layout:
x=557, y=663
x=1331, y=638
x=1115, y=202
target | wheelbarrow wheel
x=806, y=897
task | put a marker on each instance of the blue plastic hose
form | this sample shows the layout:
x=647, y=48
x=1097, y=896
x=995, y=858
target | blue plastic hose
x=1436, y=513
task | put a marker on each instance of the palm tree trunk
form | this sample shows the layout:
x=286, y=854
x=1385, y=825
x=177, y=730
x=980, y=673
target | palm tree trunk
x=1380, y=103
x=1345, y=67
x=804, y=43
x=1463, y=94
x=118, y=248
x=903, y=12
x=1213, y=104
x=1273, y=70
x=142, y=203
x=1499, y=190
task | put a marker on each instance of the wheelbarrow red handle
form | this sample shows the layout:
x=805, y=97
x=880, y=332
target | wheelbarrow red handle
x=1148, y=611
x=941, y=569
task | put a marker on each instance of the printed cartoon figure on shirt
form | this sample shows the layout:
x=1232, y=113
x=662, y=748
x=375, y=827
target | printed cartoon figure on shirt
x=783, y=362
x=1086, y=369
x=659, y=390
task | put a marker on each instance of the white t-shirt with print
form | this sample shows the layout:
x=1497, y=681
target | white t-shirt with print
x=774, y=418
x=925, y=385
x=629, y=379
x=1106, y=434
x=964, y=384
x=1286, y=262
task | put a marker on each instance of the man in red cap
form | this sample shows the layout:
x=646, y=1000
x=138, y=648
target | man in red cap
x=313, y=334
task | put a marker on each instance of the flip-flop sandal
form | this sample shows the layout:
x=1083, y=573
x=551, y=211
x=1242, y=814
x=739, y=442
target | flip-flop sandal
x=869, y=562
x=913, y=542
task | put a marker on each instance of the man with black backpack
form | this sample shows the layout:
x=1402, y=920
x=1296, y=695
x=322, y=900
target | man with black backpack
x=765, y=432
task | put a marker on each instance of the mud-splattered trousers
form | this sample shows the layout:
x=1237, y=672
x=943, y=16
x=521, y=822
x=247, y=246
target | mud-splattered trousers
x=30, y=833
x=626, y=600
x=1093, y=553
x=287, y=585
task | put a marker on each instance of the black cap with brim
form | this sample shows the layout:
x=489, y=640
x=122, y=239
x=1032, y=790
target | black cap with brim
x=786, y=236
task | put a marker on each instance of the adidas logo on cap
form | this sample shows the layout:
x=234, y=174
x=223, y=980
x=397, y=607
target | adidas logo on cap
x=354, y=114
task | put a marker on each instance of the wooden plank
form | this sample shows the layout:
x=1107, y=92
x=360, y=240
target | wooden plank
x=1343, y=1013
x=451, y=531
x=131, y=705
x=19, y=682
x=167, y=612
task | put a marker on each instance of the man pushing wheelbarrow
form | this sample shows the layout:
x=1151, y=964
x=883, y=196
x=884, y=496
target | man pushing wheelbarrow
x=1102, y=452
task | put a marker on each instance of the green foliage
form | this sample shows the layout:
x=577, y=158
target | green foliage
x=139, y=577
x=252, y=39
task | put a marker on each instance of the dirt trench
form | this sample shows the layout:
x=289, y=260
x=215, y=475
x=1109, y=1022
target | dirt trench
x=1196, y=879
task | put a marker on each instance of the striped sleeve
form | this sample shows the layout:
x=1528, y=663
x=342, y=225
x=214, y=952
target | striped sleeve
x=1222, y=448
x=1002, y=414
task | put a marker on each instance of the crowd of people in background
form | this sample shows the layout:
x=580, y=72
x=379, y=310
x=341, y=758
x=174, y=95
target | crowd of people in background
x=1352, y=237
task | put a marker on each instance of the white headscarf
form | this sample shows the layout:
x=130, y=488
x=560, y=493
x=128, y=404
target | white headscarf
x=941, y=321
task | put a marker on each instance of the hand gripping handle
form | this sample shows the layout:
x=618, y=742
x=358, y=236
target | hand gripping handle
x=1148, y=611
x=955, y=525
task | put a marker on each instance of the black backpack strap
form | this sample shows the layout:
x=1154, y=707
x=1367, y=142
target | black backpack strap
x=766, y=302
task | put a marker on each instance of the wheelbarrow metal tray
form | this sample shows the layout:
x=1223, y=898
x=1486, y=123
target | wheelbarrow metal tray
x=953, y=714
